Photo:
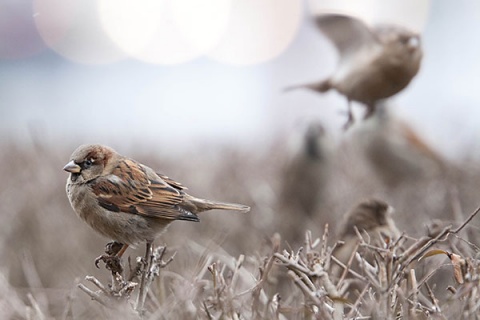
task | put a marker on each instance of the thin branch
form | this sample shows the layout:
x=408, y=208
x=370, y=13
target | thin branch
x=38, y=311
x=306, y=291
x=98, y=284
x=466, y=221
x=95, y=296
x=349, y=264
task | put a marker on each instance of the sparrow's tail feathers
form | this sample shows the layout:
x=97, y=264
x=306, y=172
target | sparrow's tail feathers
x=205, y=205
x=321, y=86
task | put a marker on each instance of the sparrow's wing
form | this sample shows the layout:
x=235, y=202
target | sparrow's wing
x=171, y=182
x=348, y=34
x=136, y=189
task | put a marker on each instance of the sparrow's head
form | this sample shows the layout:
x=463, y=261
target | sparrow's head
x=88, y=162
x=400, y=39
x=369, y=215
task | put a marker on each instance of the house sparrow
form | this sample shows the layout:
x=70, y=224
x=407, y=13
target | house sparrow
x=306, y=172
x=304, y=181
x=127, y=201
x=371, y=216
x=374, y=63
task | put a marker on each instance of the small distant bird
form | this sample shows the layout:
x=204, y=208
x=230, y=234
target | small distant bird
x=127, y=201
x=395, y=151
x=306, y=173
x=374, y=63
x=372, y=216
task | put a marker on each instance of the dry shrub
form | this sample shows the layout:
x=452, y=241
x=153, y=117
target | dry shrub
x=230, y=265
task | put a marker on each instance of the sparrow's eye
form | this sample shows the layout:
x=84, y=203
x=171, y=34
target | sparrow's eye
x=410, y=41
x=88, y=163
x=404, y=39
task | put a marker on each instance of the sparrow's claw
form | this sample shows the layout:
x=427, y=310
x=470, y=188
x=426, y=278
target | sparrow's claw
x=110, y=258
x=350, y=118
x=100, y=258
x=112, y=263
x=350, y=121
x=370, y=111
x=113, y=247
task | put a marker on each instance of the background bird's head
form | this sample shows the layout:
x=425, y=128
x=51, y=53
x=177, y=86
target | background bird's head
x=401, y=40
x=368, y=215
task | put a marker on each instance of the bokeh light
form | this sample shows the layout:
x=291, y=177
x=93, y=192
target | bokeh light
x=18, y=35
x=258, y=31
x=73, y=30
x=165, y=31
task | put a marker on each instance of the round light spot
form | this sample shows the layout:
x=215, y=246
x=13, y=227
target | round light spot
x=164, y=31
x=18, y=35
x=72, y=29
x=258, y=31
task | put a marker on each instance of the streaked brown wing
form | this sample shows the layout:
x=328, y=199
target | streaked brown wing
x=129, y=189
x=173, y=183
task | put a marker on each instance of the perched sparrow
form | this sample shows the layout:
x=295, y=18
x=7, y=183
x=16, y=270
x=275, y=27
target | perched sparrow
x=370, y=216
x=306, y=173
x=374, y=64
x=127, y=201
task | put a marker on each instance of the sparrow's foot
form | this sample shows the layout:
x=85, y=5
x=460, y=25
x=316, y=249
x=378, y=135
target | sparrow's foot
x=113, y=247
x=111, y=258
x=350, y=118
x=350, y=121
x=368, y=114
x=112, y=263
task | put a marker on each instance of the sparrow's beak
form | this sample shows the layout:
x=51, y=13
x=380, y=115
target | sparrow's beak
x=72, y=167
x=414, y=42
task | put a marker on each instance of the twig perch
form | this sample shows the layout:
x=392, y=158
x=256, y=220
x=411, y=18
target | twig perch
x=120, y=290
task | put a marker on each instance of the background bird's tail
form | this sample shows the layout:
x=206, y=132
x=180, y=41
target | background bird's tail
x=321, y=86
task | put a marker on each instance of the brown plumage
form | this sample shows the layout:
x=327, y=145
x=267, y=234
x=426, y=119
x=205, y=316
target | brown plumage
x=374, y=63
x=305, y=175
x=304, y=182
x=127, y=201
x=371, y=216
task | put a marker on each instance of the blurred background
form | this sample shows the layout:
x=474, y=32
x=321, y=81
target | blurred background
x=179, y=73
x=194, y=89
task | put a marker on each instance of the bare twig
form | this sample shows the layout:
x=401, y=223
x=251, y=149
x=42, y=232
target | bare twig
x=306, y=291
x=98, y=284
x=440, y=237
x=350, y=271
x=95, y=296
x=154, y=264
x=433, y=299
x=68, y=312
x=354, y=308
x=414, y=288
x=470, y=218
x=38, y=311
x=349, y=264
x=142, y=291
x=323, y=250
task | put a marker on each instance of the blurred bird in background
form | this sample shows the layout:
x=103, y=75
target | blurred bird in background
x=374, y=63
x=305, y=176
x=373, y=217
x=395, y=152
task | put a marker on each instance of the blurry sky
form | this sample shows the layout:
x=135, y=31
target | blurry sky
x=183, y=73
